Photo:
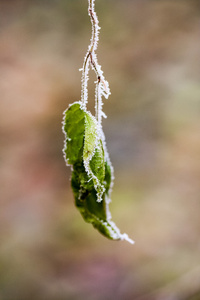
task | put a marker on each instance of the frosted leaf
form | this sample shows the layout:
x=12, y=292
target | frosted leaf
x=85, y=146
x=92, y=172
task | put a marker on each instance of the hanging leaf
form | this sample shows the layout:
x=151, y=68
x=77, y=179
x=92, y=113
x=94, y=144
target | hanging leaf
x=92, y=172
x=85, y=148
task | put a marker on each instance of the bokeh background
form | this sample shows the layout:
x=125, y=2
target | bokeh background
x=150, y=54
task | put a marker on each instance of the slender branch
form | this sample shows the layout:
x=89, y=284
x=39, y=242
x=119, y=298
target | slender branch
x=102, y=86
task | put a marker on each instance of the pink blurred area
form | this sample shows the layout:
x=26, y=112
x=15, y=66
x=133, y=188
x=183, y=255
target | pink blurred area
x=149, y=51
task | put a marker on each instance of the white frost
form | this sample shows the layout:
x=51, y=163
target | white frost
x=102, y=86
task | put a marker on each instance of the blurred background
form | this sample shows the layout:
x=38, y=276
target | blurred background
x=149, y=51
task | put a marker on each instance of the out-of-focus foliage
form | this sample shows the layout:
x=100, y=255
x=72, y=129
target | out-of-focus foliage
x=149, y=51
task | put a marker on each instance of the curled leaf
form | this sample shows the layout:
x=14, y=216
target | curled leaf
x=91, y=177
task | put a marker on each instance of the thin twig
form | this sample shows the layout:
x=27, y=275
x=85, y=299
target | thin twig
x=102, y=86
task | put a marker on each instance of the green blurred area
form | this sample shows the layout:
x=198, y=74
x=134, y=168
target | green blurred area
x=149, y=51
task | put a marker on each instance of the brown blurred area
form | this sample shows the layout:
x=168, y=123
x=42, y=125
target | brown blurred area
x=150, y=54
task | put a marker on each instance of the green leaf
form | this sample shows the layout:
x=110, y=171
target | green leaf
x=91, y=172
x=93, y=155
